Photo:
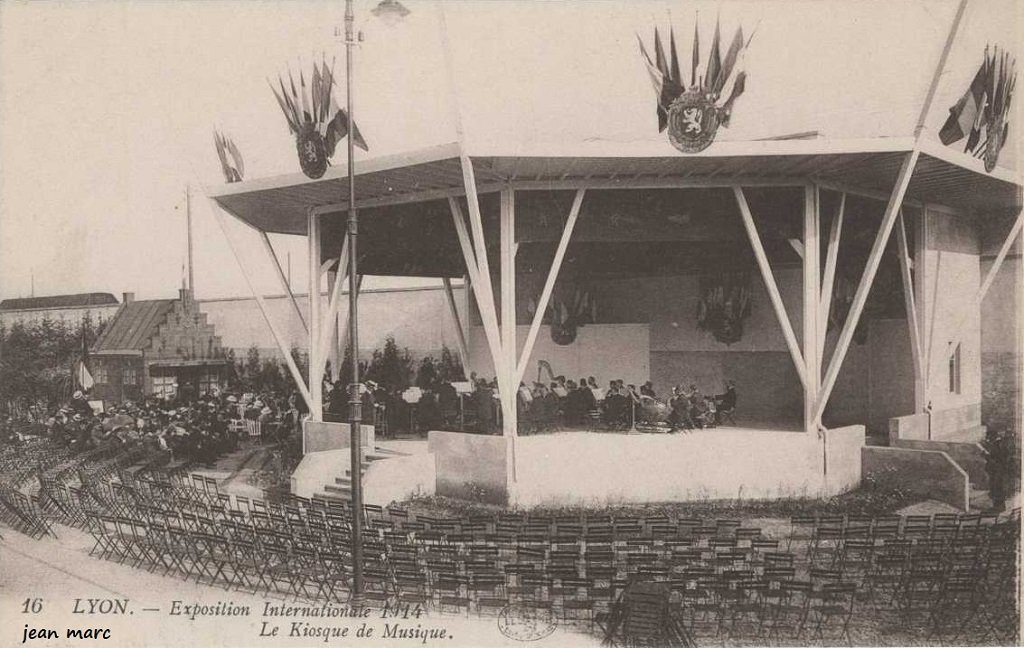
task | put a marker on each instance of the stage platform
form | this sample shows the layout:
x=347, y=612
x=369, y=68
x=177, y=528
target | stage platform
x=601, y=468
x=589, y=468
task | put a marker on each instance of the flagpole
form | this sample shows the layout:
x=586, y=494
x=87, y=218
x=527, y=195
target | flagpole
x=188, y=226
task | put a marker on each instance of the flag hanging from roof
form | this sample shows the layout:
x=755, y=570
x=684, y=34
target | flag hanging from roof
x=314, y=118
x=692, y=116
x=981, y=115
x=233, y=168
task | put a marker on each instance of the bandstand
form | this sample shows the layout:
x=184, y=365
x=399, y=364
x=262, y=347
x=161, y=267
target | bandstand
x=860, y=258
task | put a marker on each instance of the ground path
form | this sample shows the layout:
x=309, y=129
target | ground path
x=59, y=571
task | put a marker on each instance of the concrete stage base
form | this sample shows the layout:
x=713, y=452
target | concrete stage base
x=595, y=469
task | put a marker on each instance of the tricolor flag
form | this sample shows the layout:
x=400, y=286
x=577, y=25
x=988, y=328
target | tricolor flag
x=695, y=57
x=982, y=114
x=338, y=129
x=314, y=110
x=723, y=81
x=233, y=169
x=83, y=377
x=714, y=59
x=665, y=76
x=730, y=60
x=964, y=114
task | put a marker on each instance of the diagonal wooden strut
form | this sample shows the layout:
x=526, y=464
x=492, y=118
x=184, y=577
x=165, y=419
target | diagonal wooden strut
x=864, y=287
x=770, y=285
x=460, y=336
x=282, y=279
x=300, y=382
x=913, y=322
x=484, y=303
x=549, y=285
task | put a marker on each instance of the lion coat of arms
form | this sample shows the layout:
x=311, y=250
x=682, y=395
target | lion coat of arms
x=692, y=114
x=315, y=119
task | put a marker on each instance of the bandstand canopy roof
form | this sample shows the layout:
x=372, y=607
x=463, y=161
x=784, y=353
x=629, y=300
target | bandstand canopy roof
x=942, y=176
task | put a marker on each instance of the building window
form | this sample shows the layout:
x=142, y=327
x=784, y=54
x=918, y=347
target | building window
x=129, y=376
x=164, y=386
x=100, y=374
x=208, y=382
x=954, y=371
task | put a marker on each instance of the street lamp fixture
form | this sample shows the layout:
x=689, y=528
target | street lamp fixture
x=390, y=12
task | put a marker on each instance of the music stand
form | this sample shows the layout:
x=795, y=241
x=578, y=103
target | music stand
x=412, y=396
x=462, y=388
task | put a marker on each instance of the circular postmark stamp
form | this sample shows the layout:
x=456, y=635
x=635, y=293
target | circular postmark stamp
x=526, y=623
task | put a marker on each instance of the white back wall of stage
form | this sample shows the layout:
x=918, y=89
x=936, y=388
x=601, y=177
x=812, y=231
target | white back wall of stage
x=396, y=312
x=605, y=351
x=674, y=316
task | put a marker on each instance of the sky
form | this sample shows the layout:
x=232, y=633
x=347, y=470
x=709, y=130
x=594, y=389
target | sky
x=107, y=108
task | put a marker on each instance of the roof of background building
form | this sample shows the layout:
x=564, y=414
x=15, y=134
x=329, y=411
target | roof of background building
x=58, y=301
x=134, y=324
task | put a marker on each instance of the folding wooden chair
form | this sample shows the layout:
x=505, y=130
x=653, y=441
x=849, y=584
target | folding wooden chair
x=833, y=611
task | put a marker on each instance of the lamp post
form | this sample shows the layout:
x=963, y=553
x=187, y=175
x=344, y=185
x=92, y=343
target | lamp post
x=390, y=12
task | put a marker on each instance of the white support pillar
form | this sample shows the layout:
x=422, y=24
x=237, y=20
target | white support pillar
x=293, y=369
x=913, y=326
x=332, y=354
x=329, y=328
x=829, y=280
x=811, y=305
x=974, y=306
x=282, y=278
x=315, y=325
x=864, y=287
x=482, y=289
x=769, y=282
x=467, y=320
x=508, y=311
x=460, y=338
x=549, y=285
x=921, y=299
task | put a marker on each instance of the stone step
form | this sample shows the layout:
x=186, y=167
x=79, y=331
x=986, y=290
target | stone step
x=341, y=489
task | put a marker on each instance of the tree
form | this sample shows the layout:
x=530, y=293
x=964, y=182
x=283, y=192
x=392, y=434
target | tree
x=449, y=367
x=391, y=367
x=36, y=358
x=251, y=370
x=426, y=375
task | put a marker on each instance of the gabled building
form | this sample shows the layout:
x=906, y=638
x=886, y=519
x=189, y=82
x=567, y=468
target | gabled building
x=161, y=347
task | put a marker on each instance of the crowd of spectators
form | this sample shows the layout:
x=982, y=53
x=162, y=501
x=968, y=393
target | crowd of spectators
x=196, y=430
x=202, y=429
